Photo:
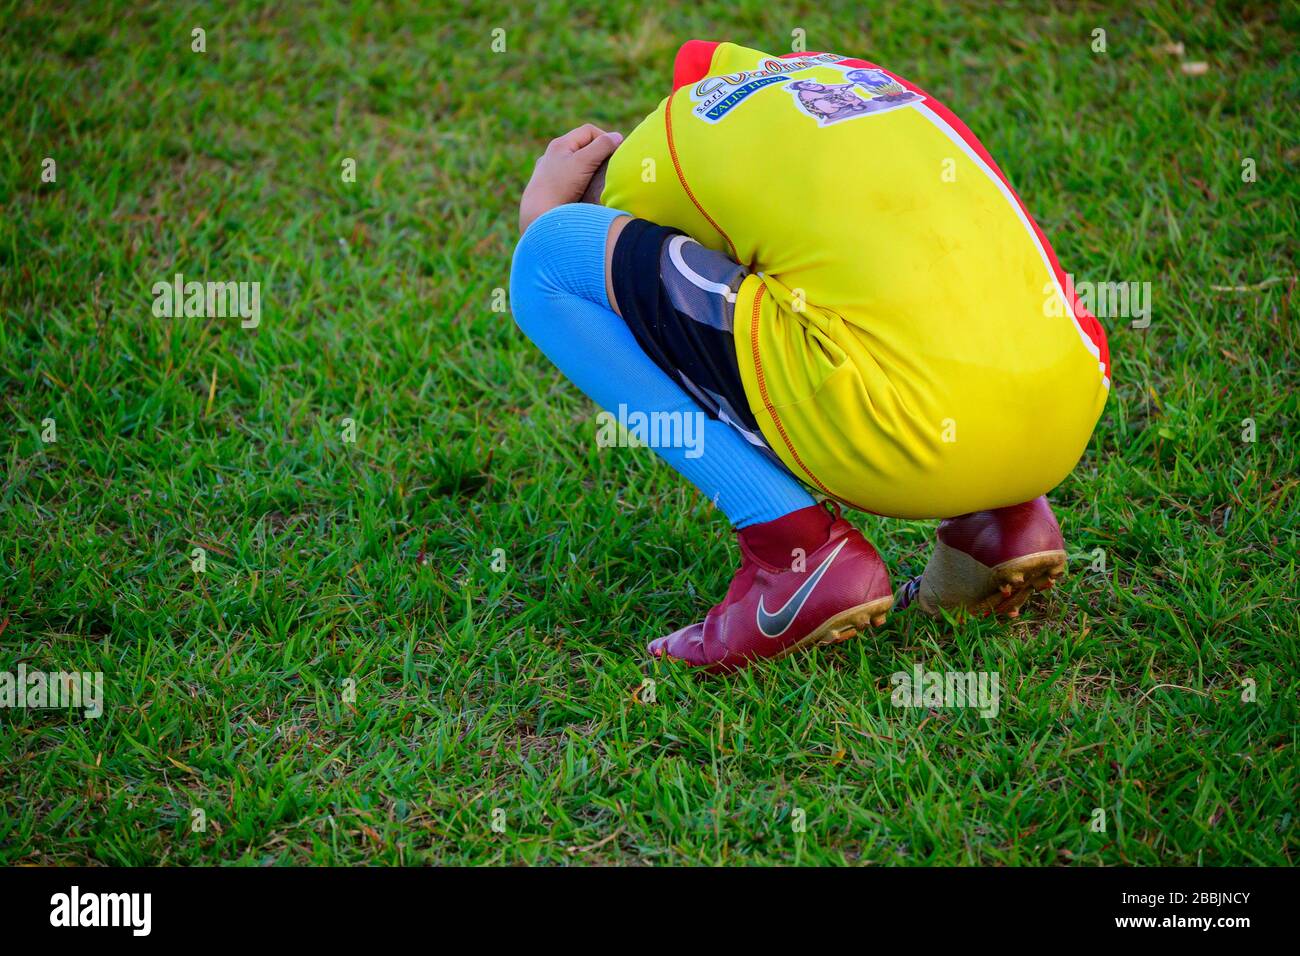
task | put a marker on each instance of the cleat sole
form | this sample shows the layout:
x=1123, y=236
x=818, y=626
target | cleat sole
x=843, y=626
x=957, y=583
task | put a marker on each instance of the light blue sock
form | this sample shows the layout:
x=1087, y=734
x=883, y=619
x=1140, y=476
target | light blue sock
x=557, y=291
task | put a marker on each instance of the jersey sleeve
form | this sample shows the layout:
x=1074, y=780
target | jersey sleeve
x=644, y=178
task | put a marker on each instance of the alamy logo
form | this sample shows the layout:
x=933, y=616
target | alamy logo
x=923, y=688
x=1105, y=300
x=652, y=430
x=75, y=908
x=179, y=299
x=37, y=690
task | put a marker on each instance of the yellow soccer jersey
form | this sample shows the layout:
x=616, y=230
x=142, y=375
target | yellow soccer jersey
x=907, y=341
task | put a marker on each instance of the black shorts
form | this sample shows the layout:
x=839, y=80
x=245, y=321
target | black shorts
x=679, y=300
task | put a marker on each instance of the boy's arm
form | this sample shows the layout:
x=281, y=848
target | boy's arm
x=596, y=186
x=570, y=169
x=563, y=172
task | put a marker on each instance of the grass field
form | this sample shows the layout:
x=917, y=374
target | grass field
x=350, y=679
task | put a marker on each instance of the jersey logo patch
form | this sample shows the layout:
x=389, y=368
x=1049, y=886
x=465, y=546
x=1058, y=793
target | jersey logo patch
x=866, y=93
x=716, y=96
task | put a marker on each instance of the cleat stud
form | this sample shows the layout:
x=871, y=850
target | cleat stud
x=842, y=634
x=1014, y=612
x=1006, y=590
x=878, y=620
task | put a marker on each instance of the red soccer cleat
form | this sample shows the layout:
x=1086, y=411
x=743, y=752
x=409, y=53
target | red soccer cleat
x=989, y=562
x=807, y=578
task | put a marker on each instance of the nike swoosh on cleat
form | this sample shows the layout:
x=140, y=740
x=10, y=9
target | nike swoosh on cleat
x=774, y=625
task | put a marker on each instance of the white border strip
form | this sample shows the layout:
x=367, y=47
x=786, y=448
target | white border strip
x=708, y=285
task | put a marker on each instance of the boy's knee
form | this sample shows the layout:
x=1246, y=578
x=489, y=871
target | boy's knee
x=533, y=269
x=561, y=254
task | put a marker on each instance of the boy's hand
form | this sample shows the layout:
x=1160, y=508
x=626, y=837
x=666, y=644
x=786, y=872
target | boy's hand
x=563, y=171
